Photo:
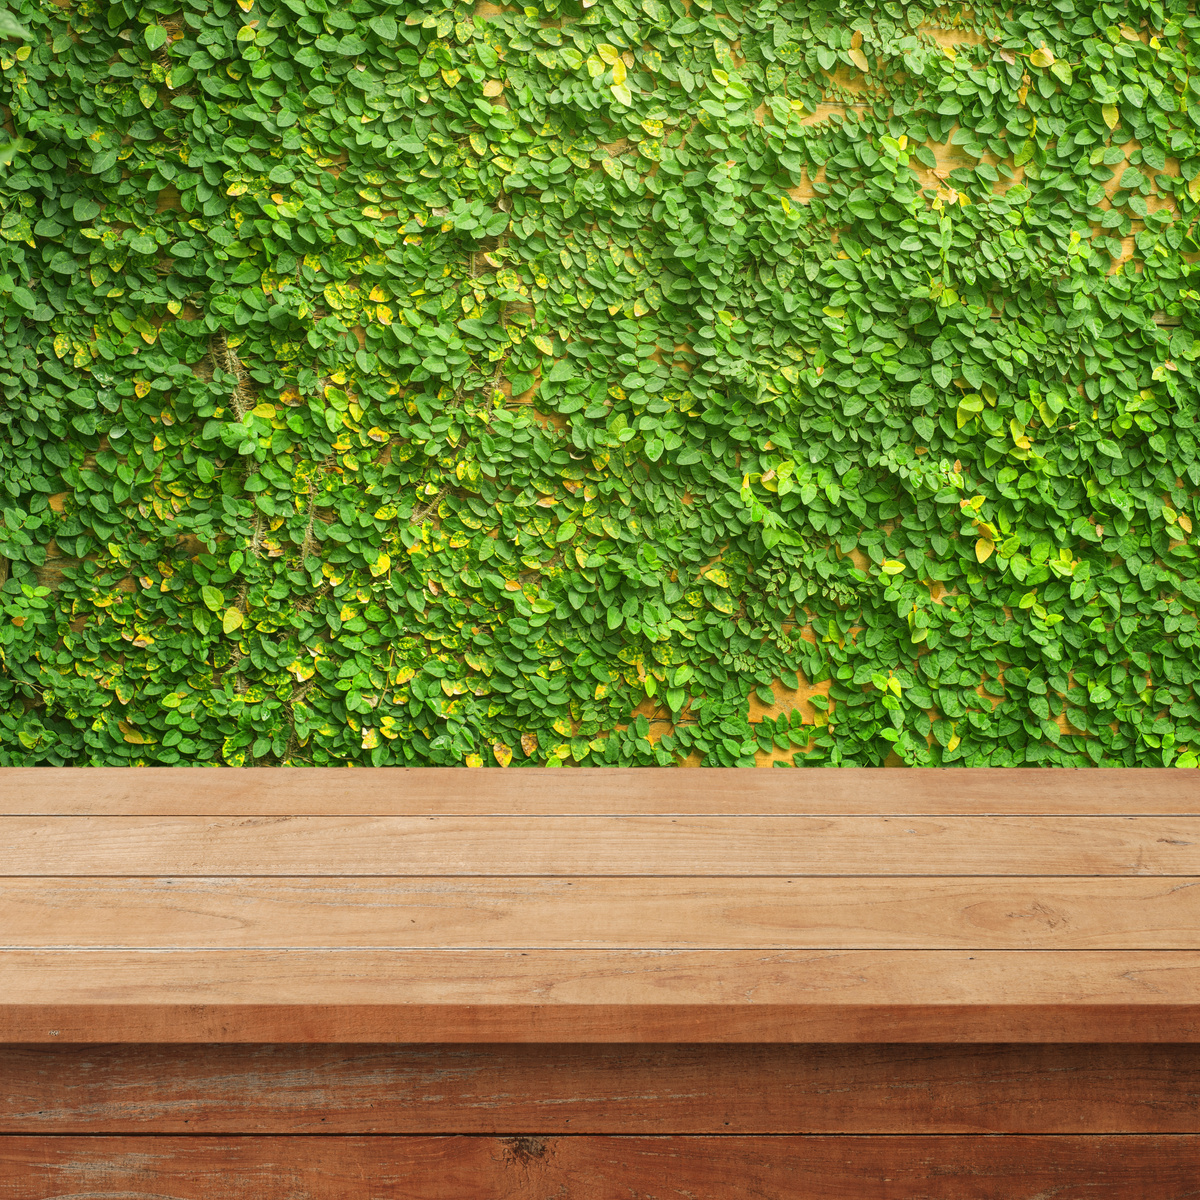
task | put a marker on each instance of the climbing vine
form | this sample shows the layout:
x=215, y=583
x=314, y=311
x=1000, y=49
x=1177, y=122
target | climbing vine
x=610, y=384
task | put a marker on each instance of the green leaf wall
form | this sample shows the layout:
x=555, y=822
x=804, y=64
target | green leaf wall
x=620, y=384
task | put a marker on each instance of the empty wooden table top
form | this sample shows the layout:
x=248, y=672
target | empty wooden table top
x=599, y=906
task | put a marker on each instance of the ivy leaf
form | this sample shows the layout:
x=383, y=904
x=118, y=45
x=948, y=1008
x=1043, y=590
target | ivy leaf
x=11, y=27
x=232, y=620
x=213, y=598
x=1042, y=57
x=156, y=37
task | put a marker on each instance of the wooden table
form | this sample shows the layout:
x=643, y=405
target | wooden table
x=591, y=985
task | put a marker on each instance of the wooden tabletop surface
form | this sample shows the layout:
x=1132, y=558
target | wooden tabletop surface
x=599, y=906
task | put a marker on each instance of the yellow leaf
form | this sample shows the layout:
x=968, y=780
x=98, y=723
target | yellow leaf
x=619, y=72
x=493, y=87
x=1042, y=57
x=370, y=738
x=134, y=736
x=891, y=566
x=543, y=343
x=232, y=620
x=1185, y=523
x=608, y=53
x=451, y=78
x=383, y=314
x=502, y=753
x=983, y=549
x=474, y=760
x=546, y=502
x=1111, y=115
x=529, y=743
x=563, y=726
x=380, y=565
x=601, y=691
x=62, y=344
x=954, y=742
x=1193, y=188
x=718, y=577
x=859, y=59
x=302, y=671
x=378, y=293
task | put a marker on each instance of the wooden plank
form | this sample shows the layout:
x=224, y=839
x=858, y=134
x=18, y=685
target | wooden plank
x=1136, y=1167
x=314, y=791
x=598, y=996
x=630, y=913
x=685, y=845
x=600, y=1089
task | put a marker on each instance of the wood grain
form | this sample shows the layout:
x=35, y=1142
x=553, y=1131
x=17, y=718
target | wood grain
x=598, y=996
x=573, y=846
x=314, y=791
x=1135, y=1167
x=629, y=913
x=599, y=1089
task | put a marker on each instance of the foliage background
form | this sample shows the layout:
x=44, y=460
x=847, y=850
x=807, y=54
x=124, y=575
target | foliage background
x=636, y=383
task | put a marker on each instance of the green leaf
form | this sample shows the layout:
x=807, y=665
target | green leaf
x=156, y=37
x=11, y=27
x=213, y=598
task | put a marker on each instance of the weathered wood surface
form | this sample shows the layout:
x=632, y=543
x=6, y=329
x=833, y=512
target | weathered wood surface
x=267, y=791
x=597, y=995
x=1135, y=1167
x=749, y=845
x=622, y=914
x=762, y=1089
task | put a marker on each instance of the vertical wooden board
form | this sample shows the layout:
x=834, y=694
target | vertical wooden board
x=601, y=1168
x=600, y=1089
